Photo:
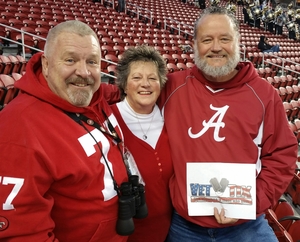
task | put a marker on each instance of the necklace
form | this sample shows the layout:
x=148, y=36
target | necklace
x=144, y=137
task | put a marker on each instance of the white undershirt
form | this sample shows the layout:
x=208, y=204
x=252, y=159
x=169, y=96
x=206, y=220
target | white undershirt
x=142, y=124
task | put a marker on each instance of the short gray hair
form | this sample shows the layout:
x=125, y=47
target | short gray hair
x=71, y=26
x=217, y=11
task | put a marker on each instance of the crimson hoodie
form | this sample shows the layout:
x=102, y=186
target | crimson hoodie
x=241, y=120
x=54, y=180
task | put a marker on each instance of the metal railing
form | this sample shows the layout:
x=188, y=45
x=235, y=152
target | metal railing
x=112, y=2
x=139, y=11
x=284, y=67
x=23, y=34
x=177, y=25
x=24, y=45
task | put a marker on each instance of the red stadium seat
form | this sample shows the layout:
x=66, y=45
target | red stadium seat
x=138, y=41
x=105, y=41
x=16, y=64
x=8, y=65
x=283, y=209
x=289, y=93
x=29, y=23
x=16, y=76
x=102, y=33
x=172, y=67
x=107, y=49
x=294, y=230
x=177, y=58
x=12, y=92
x=23, y=63
x=289, y=80
x=129, y=42
x=261, y=72
x=111, y=57
x=3, y=91
x=16, y=23
x=41, y=31
x=21, y=16
x=288, y=109
x=159, y=49
x=7, y=15
x=295, y=107
x=28, y=30
x=189, y=64
x=181, y=66
x=295, y=92
x=112, y=34
x=118, y=49
x=186, y=58
x=280, y=232
x=168, y=50
x=168, y=58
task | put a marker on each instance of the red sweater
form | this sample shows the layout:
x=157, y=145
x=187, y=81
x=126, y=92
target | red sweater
x=155, y=166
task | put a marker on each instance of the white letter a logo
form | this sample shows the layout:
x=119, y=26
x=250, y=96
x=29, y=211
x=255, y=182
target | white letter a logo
x=214, y=122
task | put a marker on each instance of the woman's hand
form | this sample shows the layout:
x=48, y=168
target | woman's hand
x=222, y=219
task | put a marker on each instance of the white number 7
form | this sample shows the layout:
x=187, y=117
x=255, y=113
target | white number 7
x=17, y=187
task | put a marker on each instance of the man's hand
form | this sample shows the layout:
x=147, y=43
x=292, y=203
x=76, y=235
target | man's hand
x=222, y=219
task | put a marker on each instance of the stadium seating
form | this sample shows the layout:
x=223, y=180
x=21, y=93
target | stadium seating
x=280, y=232
x=8, y=83
x=294, y=229
x=284, y=209
x=16, y=76
x=8, y=65
x=3, y=91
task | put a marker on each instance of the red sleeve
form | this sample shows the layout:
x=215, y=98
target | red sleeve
x=110, y=92
x=278, y=156
x=20, y=187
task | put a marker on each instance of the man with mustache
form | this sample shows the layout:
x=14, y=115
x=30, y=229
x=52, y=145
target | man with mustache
x=221, y=111
x=61, y=163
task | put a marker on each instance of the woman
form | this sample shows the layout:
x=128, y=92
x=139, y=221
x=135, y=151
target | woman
x=141, y=74
x=264, y=45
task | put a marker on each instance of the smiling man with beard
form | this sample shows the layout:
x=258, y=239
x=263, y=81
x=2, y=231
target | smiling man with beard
x=221, y=111
x=60, y=164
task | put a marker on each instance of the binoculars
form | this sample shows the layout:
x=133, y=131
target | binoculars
x=132, y=204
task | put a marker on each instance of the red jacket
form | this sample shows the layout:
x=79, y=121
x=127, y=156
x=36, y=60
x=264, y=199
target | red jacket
x=54, y=183
x=242, y=120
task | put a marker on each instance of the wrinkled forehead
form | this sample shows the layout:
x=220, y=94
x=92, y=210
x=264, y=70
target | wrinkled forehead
x=216, y=24
x=216, y=21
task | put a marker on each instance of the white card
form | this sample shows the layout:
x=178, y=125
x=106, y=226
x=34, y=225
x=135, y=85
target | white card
x=231, y=186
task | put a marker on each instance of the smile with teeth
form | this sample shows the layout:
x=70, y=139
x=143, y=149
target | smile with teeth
x=217, y=56
x=145, y=93
x=80, y=84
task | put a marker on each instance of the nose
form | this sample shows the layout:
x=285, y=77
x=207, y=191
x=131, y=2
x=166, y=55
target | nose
x=145, y=82
x=82, y=69
x=216, y=46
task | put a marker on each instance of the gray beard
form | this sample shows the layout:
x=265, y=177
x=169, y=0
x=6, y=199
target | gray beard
x=80, y=98
x=217, y=71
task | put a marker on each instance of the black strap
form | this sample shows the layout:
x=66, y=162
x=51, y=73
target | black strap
x=80, y=117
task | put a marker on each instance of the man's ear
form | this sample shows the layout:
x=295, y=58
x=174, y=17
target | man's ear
x=45, y=66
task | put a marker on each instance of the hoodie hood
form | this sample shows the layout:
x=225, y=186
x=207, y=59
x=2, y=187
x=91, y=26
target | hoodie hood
x=246, y=73
x=34, y=83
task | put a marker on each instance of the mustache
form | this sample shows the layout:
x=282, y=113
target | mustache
x=80, y=80
x=217, y=53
